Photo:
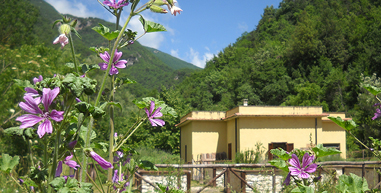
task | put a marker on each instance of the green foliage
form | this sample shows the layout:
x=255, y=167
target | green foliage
x=105, y=32
x=150, y=26
x=70, y=185
x=347, y=124
x=352, y=183
x=321, y=151
x=8, y=162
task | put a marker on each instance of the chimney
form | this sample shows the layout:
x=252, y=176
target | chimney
x=245, y=102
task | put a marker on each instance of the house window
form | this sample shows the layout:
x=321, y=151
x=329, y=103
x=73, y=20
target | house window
x=283, y=145
x=332, y=145
x=186, y=152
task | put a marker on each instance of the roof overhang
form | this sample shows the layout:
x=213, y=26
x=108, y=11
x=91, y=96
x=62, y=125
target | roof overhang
x=189, y=119
x=236, y=115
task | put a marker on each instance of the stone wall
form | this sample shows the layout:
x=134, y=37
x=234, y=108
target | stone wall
x=166, y=180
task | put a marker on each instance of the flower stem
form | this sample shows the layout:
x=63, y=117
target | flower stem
x=55, y=156
x=87, y=173
x=99, y=179
x=111, y=140
x=129, y=135
x=73, y=52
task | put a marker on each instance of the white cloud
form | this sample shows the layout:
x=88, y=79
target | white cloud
x=175, y=53
x=243, y=26
x=75, y=8
x=196, y=60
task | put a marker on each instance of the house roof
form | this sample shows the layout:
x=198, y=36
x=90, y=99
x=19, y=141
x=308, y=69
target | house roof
x=259, y=111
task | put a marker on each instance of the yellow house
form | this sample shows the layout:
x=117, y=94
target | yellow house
x=239, y=129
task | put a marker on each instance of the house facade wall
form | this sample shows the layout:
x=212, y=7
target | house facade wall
x=265, y=130
x=186, y=140
x=208, y=137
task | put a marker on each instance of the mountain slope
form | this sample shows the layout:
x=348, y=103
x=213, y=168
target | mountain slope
x=144, y=66
x=171, y=61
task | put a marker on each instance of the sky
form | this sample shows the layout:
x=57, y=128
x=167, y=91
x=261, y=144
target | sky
x=202, y=30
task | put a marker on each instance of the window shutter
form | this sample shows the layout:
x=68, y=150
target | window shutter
x=290, y=147
x=271, y=146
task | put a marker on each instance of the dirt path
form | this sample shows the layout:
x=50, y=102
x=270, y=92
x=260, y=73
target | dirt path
x=194, y=189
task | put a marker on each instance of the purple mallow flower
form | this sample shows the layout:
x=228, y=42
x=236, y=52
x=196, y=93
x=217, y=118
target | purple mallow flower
x=377, y=114
x=62, y=39
x=68, y=162
x=113, y=4
x=39, y=79
x=21, y=181
x=151, y=115
x=102, y=162
x=37, y=115
x=116, y=180
x=304, y=170
x=115, y=63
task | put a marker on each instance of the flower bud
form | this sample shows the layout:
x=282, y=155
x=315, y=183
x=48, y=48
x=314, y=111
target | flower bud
x=170, y=2
x=65, y=29
x=157, y=9
x=102, y=162
x=72, y=144
x=159, y=2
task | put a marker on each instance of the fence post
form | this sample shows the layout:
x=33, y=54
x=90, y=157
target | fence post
x=274, y=179
x=189, y=178
x=243, y=185
x=228, y=180
x=363, y=170
x=178, y=178
x=214, y=175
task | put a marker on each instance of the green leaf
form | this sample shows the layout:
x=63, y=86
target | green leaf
x=106, y=104
x=87, y=187
x=150, y=26
x=147, y=165
x=58, y=183
x=321, y=151
x=70, y=65
x=372, y=89
x=281, y=164
x=84, y=107
x=87, y=68
x=23, y=83
x=134, y=4
x=100, y=145
x=98, y=113
x=120, y=81
x=105, y=32
x=140, y=104
x=27, y=132
x=55, y=22
x=7, y=162
x=71, y=183
x=347, y=125
x=282, y=154
x=83, y=134
x=352, y=183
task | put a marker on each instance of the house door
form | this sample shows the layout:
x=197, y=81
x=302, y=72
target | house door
x=229, y=151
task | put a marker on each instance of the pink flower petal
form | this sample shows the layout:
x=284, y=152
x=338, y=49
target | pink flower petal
x=103, y=66
x=121, y=64
x=105, y=57
x=28, y=120
x=48, y=96
x=304, y=175
x=113, y=71
x=294, y=171
x=56, y=115
x=311, y=168
x=152, y=107
x=157, y=113
x=30, y=105
x=45, y=127
x=294, y=161
x=117, y=56
x=157, y=122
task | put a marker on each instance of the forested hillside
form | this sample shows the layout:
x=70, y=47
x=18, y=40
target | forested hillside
x=306, y=52
x=27, y=51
